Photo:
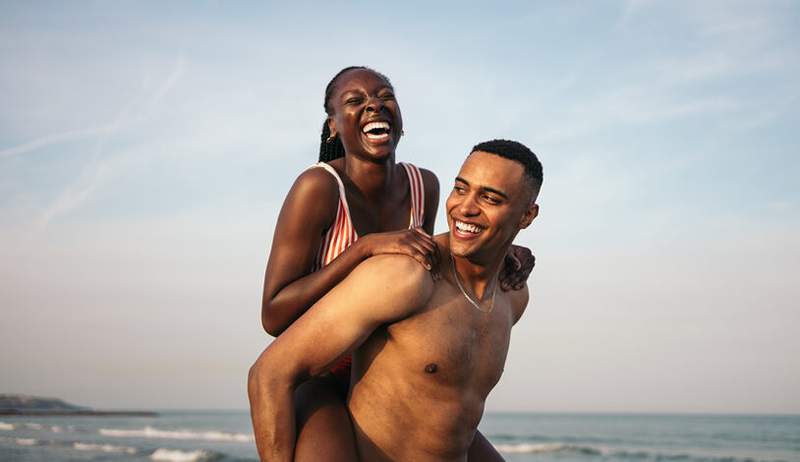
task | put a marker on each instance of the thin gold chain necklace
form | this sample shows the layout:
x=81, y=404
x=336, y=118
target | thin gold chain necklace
x=466, y=295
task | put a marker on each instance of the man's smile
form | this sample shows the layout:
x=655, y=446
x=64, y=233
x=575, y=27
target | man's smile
x=464, y=230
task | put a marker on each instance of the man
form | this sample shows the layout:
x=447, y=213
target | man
x=426, y=352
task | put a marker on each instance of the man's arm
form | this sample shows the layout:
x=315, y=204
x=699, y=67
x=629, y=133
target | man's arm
x=519, y=301
x=381, y=290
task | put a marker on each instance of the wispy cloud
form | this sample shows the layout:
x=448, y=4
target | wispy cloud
x=56, y=138
x=104, y=164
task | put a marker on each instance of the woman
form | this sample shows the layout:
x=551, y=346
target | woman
x=356, y=203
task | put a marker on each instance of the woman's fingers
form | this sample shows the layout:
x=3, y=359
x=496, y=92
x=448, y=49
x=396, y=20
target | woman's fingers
x=421, y=253
x=415, y=243
x=433, y=250
x=517, y=267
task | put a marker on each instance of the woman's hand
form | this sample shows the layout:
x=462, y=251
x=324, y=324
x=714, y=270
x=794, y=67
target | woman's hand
x=518, y=264
x=415, y=243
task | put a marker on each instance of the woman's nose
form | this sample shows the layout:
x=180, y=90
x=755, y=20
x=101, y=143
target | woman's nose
x=374, y=104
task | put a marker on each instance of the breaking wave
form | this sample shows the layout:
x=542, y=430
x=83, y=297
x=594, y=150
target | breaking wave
x=542, y=448
x=103, y=448
x=175, y=455
x=150, y=432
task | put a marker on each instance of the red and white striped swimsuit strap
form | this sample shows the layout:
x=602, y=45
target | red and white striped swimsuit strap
x=342, y=234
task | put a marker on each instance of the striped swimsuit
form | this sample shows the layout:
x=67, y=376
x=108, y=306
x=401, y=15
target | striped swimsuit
x=342, y=234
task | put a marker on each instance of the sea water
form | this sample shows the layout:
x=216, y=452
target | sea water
x=227, y=436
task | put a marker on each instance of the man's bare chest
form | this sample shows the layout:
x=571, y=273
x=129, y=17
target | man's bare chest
x=452, y=343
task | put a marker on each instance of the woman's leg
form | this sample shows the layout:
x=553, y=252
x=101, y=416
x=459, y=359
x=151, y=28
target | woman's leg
x=482, y=450
x=324, y=428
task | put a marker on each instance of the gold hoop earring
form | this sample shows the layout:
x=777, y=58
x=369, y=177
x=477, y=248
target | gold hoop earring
x=330, y=138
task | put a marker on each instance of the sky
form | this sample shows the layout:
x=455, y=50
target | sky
x=146, y=148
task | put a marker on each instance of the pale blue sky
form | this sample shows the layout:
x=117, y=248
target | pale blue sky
x=145, y=149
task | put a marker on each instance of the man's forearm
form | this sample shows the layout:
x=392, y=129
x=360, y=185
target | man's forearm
x=272, y=411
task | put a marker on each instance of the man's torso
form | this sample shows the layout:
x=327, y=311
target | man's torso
x=419, y=385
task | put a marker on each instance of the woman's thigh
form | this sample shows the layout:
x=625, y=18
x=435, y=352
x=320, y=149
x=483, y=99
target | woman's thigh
x=324, y=428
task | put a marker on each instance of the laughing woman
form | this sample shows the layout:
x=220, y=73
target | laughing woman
x=355, y=203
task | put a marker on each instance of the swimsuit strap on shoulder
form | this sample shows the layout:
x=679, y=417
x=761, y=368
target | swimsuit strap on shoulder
x=332, y=171
x=341, y=233
x=417, y=188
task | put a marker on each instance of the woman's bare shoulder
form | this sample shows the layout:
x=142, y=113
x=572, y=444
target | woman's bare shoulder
x=314, y=197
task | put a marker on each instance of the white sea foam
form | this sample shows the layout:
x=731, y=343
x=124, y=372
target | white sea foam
x=6, y=426
x=530, y=448
x=541, y=448
x=26, y=441
x=103, y=448
x=34, y=426
x=174, y=455
x=620, y=453
x=150, y=432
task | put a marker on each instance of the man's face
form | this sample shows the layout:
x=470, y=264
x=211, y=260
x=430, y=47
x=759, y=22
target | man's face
x=490, y=202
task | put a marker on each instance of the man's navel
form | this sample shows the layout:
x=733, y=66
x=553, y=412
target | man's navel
x=431, y=368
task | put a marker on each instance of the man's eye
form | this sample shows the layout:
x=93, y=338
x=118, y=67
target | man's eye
x=388, y=96
x=491, y=199
x=354, y=100
x=458, y=189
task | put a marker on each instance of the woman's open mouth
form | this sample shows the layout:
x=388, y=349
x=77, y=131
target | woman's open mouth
x=377, y=132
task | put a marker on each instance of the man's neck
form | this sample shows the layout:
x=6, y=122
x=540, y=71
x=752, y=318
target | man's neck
x=478, y=276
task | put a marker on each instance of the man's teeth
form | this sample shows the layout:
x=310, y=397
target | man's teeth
x=468, y=228
x=375, y=126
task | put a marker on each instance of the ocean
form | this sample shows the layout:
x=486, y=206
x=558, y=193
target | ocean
x=226, y=436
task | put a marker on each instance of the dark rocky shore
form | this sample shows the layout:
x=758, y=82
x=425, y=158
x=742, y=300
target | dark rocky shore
x=38, y=406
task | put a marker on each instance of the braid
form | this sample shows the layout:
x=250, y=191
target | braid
x=329, y=150
x=333, y=149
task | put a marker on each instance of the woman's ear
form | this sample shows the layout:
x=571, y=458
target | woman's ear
x=332, y=127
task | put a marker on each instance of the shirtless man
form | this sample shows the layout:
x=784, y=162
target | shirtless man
x=426, y=352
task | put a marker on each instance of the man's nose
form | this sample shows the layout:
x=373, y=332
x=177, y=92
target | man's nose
x=468, y=207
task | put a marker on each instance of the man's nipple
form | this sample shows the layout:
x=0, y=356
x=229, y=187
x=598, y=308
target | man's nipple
x=431, y=368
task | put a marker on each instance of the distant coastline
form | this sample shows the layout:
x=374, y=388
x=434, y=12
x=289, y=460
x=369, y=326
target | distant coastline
x=24, y=405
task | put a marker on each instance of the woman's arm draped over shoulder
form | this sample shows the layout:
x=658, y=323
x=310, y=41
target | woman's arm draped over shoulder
x=289, y=286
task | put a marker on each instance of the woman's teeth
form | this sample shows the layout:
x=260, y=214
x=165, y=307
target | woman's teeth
x=376, y=130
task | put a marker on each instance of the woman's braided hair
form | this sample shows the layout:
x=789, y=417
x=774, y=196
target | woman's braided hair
x=332, y=148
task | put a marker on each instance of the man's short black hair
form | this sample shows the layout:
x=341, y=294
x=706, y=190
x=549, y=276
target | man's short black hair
x=518, y=152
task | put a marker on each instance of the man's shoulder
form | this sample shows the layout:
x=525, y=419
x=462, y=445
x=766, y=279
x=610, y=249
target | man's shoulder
x=396, y=275
x=519, y=301
x=397, y=268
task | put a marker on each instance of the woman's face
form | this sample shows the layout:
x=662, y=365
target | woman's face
x=365, y=114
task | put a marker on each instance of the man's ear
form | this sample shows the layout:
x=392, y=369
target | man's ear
x=332, y=127
x=530, y=213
